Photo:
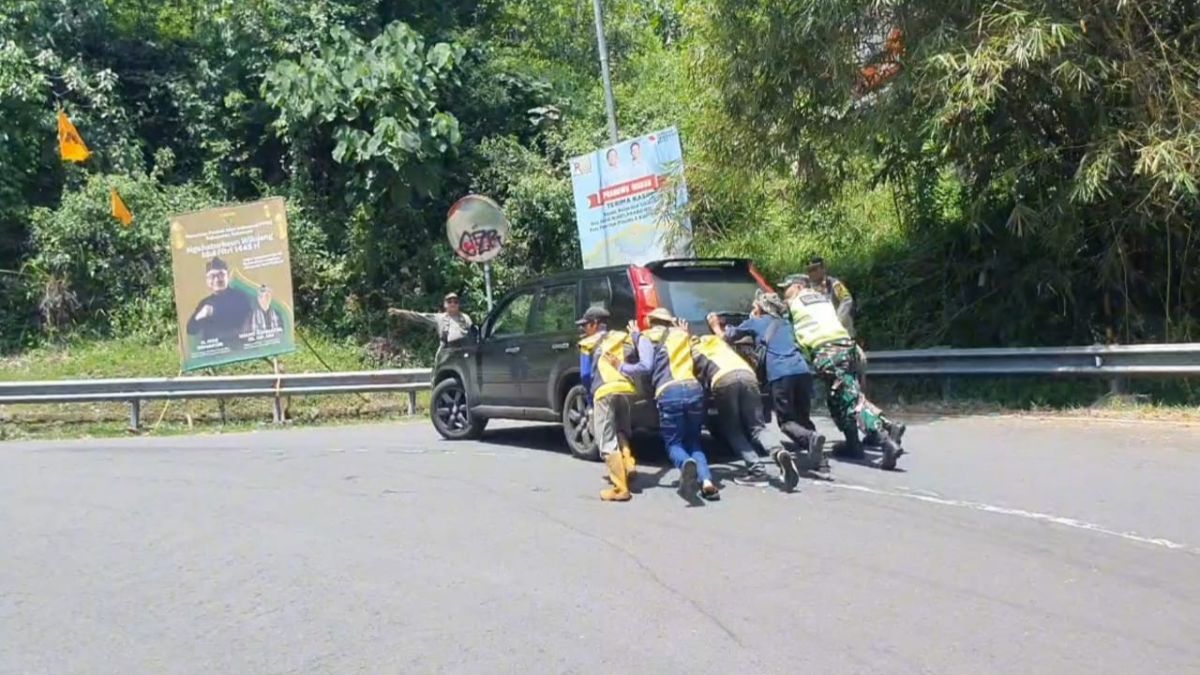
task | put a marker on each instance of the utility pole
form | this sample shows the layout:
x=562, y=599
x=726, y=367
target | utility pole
x=604, y=73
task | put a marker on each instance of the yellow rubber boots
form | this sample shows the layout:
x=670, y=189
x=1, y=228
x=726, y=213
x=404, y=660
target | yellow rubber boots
x=630, y=463
x=618, y=475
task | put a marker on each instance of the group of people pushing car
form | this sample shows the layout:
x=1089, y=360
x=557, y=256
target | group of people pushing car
x=783, y=343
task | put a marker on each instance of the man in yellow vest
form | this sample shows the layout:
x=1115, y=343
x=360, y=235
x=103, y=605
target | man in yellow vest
x=610, y=393
x=734, y=387
x=665, y=351
x=831, y=352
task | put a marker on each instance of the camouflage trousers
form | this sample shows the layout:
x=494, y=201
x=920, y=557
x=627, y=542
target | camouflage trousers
x=836, y=364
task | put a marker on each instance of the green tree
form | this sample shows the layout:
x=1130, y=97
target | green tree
x=1065, y=135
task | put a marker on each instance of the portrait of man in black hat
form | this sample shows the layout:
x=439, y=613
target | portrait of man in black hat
x=224, y=314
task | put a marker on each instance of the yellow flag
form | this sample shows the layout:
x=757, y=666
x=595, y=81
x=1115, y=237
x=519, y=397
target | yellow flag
x=119, y=210
x=70, y=143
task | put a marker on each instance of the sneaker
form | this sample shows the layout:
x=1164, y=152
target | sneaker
x=689, y=483
x=710, y=491
x=816, y=454
x=754, y=476
x=787, y=466
x=891, y=453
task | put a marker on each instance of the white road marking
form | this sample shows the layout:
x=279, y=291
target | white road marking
x=1019, y=513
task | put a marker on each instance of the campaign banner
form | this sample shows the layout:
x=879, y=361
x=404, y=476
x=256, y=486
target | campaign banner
x=630, y=201
x=233, y=283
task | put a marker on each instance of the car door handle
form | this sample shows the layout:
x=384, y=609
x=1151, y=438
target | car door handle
x=560, y=346
x=512, y=350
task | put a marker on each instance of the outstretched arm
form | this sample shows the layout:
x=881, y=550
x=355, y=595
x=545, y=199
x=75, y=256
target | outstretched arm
x=645, y=352
x=714, y=324
x=416, y=317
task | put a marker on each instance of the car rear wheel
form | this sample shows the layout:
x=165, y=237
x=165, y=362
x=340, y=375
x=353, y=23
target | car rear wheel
x=451, y=413
x=577, y=424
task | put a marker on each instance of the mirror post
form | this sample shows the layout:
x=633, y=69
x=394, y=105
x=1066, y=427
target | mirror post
x=487, y=283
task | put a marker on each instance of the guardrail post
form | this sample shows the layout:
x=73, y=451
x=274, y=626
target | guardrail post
x=135, y=414
x=222, y=411
x=412, y=403
x=1118, y=386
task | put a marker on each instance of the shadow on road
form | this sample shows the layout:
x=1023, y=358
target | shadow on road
x=654, y=467
x=543, y=437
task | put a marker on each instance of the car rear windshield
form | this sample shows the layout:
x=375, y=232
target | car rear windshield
x=692, y=292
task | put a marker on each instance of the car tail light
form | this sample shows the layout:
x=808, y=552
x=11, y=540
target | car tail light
x=644, y=293
x=760, y=279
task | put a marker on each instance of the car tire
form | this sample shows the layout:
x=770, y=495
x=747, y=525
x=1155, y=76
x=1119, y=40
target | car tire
x=451, y=413
x=577, y=425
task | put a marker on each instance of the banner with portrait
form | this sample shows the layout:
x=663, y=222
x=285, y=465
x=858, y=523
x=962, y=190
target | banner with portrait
x=233, y=283
x=631, y=201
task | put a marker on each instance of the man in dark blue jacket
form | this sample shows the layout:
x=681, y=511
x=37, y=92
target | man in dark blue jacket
x=788, y=378
x=665, y=352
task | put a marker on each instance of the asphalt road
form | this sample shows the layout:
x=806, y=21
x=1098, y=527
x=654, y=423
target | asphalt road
x=1005, y=546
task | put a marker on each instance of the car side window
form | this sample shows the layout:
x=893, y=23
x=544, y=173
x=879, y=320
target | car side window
x=623, y=307
x=556, y=310
x=596, y=293
x=513, y=318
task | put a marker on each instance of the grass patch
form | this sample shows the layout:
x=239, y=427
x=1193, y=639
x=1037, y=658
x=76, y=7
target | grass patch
x=133, y=357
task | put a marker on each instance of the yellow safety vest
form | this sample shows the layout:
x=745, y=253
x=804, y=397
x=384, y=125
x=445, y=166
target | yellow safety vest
x=815, y=320
x=611, y=380
x=718, y=352
x=676, y=344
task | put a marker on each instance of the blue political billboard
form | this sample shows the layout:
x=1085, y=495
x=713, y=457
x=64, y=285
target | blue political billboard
x=630, y=201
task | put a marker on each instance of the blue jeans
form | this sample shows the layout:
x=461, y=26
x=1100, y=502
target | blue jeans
x=681, y=416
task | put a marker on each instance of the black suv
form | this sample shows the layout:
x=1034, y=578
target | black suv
x=522, y=362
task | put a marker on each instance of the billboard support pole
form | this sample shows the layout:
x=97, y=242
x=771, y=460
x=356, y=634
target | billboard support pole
x=487, y=283
x=278, y=410
x=602, y=47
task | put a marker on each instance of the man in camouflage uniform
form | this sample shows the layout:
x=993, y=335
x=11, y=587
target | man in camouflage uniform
x=831, y=351
x=833, y=289
x=839, y=295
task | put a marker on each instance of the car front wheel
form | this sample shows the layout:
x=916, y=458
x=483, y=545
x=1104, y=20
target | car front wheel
x=577, y=424
x=451, y=414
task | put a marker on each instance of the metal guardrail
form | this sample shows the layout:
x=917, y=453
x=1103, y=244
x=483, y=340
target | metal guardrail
x=1113, y=362
x=1172, y=360
x=136, y=390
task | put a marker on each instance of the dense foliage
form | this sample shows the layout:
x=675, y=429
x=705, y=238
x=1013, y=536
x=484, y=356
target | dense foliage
x=1030, y=175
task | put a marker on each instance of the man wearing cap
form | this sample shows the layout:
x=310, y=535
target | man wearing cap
x=831, y=349
x=833, y=289
x=665, y=352
x=839, y=295
x=734, y=387
x=452, y=323
x=225, y=314
x=787, y=376
x=610, y=396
